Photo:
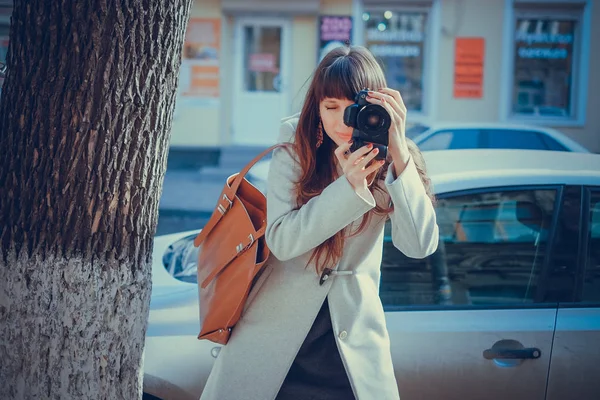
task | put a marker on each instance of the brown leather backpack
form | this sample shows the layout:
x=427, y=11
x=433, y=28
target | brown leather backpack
x=232, y=255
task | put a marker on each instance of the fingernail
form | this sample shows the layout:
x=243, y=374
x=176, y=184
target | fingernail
x=375, y=151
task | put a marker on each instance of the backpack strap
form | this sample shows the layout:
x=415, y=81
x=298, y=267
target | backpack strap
x=228, y=195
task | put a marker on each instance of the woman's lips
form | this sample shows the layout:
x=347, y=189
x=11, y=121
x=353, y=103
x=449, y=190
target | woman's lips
x=345, y=136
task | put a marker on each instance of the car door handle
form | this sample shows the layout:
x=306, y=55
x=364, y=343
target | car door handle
x=512, y=354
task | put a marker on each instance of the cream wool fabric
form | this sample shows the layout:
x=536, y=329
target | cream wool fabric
x=286, y=299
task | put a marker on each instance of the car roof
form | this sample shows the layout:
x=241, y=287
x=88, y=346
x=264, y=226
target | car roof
x=452, y=170
x=486, y=125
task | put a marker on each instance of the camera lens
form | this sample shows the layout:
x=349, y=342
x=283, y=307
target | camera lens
x=374, y=120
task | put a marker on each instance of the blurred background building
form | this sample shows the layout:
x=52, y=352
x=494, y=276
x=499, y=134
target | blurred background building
x=246, y=63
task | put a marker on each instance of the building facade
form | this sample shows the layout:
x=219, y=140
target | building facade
x=248, y=62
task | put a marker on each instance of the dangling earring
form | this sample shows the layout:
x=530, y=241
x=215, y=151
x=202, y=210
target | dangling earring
x=319, y=134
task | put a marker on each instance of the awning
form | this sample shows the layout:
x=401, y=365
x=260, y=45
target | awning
x=271, y=6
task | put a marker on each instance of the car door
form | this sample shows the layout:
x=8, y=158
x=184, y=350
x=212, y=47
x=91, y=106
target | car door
x=575, y=364
x=475, y=320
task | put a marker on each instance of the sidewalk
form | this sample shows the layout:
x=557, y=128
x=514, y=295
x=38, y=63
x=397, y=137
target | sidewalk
x=185, y=191
x=187, y=201
x=190, y=193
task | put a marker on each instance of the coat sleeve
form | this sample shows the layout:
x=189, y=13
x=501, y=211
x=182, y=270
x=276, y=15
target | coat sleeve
x=414, y=228
x=293, y=231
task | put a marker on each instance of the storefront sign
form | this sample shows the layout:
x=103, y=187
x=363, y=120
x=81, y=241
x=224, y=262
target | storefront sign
x=334, y=31
x=469, y=54
x=544, y=45
x=200, y=64
x=262, y=62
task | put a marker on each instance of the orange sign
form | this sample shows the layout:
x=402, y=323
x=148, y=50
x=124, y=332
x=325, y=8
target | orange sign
x=469, y=54
x=200, y=64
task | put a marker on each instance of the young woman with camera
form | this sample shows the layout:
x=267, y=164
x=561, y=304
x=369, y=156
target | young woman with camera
x=313, y=326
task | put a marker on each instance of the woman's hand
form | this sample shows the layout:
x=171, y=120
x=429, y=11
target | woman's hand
x=356, y=165
x=394, y=105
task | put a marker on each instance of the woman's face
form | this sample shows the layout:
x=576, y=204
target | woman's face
x=332, y=115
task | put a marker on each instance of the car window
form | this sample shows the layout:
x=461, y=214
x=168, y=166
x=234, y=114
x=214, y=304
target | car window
x=492, y=248
x=451, y=139
x=415, y=130
x=514, y=139
x=552, y=144
x=591, y=286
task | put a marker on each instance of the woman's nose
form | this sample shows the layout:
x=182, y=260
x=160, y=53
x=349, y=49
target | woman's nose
x=343, y=128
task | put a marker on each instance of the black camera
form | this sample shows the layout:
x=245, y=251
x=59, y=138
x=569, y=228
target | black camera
x=371, y=123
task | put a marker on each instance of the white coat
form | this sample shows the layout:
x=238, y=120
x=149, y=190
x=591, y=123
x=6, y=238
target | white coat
x=286, y=299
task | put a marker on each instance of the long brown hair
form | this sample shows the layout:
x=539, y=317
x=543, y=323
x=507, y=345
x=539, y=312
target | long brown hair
x=341, y=74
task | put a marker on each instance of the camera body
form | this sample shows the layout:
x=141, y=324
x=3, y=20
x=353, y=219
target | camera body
x=371, y=123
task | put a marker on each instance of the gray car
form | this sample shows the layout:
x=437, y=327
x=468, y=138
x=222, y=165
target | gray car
x=508, y=307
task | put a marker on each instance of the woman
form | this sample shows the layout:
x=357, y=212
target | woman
x=313, y=326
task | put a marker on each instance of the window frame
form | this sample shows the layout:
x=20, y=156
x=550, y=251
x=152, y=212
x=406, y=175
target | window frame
x=588, y=191
x=581, y=50
x=431, y=47
x=544, y=268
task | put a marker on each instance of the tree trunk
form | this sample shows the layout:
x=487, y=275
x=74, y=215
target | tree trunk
x=85, y=119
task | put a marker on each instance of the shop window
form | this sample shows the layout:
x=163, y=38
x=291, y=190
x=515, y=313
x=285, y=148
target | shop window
x=262, y=59
x=546, y=62
x=397, y=38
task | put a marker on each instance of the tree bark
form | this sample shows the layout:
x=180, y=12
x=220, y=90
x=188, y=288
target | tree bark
x=85, y=120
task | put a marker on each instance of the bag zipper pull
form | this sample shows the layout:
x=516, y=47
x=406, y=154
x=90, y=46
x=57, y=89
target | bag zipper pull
x=325, y=275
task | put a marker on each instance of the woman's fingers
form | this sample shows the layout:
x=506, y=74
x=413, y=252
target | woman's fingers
x=373, y=167
x=359, y=165
x=367, y=159
x=388, y=102
x=340, y=153
x=342, y=148
x=359, y=153
x=396, y=95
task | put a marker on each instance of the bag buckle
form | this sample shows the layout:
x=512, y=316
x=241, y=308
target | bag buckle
x=222, y=209
x=240, y=247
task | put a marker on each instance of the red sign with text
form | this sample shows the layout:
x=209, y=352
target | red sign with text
x=469, y=54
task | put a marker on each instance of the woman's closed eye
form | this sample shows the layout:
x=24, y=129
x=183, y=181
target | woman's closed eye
x=330, y=108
